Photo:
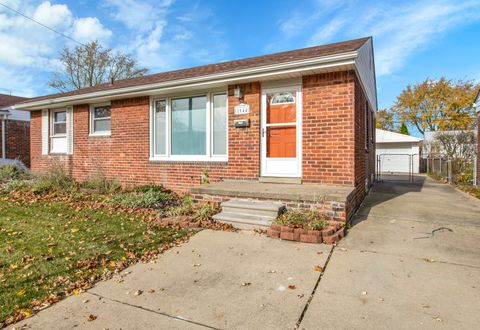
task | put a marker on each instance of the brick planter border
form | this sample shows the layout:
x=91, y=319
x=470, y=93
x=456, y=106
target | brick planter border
x=330, y=235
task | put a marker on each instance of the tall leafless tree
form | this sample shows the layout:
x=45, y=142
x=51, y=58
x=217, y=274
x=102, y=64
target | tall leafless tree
x=92, y=64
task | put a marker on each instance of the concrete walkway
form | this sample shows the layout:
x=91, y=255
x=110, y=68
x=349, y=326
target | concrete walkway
x=411, y=261
x=218, y=280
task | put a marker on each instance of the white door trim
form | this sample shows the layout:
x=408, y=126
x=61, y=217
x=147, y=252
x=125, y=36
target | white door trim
x=295, y=166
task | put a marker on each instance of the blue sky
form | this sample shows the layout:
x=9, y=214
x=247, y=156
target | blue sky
x=413, y=40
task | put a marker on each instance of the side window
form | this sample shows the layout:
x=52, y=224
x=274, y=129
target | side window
x=100, y=123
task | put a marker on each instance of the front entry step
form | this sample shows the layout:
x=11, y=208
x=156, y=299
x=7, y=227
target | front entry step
x=249, y=214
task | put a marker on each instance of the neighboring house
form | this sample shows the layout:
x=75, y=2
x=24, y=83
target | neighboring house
x=14, y=130
x=306, y=115
x=397, y=153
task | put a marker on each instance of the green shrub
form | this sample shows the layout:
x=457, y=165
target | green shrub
x=147, y=188
x=101, y=184
x=206, y=211
x=9, y=172
x=302, y=218
x=18, y=185
x=54, y=180
x=185, y=208
x=150, y=198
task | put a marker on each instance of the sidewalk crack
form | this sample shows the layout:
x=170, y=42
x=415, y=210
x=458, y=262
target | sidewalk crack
x=153, y=311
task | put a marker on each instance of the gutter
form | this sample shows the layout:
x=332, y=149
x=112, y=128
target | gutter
x=231, y=76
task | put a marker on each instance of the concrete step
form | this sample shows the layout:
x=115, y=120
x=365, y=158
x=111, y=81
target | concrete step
x=249, y=214
x=244, y=221
x=252, y=207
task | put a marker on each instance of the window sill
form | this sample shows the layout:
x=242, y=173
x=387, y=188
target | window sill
x=100, y=135
x=189, y=159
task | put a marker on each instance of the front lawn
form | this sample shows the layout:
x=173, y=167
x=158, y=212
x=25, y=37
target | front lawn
x=54, y=246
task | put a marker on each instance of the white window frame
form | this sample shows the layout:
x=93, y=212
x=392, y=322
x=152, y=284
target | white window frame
x=92, y=120
x=52, y=134
x=209, y=156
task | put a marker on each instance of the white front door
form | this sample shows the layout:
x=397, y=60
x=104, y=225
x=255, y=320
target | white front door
x=281, y=132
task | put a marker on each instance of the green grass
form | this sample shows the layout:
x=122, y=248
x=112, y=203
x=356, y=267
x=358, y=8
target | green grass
x=54, y=247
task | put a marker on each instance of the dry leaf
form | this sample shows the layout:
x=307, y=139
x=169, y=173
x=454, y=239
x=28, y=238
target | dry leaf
x=292, y=286
x=91, y=317
x=318, y=268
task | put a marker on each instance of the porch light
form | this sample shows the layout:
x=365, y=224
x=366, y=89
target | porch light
x=237, y=92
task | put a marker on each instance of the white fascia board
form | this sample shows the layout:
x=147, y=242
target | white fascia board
x=226, y=77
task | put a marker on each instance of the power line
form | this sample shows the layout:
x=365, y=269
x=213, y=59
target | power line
x=45, y=26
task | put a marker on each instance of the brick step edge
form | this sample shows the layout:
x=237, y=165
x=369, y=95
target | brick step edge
x=329, y=236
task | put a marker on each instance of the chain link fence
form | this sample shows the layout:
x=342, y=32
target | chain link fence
x=453, y=170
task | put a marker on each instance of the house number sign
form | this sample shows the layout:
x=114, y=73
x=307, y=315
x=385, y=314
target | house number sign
x=241, y=109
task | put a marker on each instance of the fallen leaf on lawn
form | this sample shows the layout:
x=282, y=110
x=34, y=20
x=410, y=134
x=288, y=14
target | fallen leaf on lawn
x=318, y=268
x=74, y=230
x=91, y=317
x=76, y=291
x=26, y=312
x=292, y=287
x=437, y=318
x=246, y=283
x=112, y=264
x=21, y=293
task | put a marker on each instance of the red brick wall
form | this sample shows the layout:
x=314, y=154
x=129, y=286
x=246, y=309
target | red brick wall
x=328, y=132
x=124, y=155
x=331, y=105
x=17, y=140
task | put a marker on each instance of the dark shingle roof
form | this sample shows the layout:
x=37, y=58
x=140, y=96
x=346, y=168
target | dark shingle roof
x=205, y=70
x=9, y=100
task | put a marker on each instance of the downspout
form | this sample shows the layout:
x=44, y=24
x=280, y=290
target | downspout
x=4, y=144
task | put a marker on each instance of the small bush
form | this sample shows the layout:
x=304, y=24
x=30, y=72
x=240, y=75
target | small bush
x=54, y=180
x=9, y=172
x=302, y=218
x=18, y=185
x=147, y=188
x=150, y=199
x=185, y=208
x=100, y=184
x=206, y=211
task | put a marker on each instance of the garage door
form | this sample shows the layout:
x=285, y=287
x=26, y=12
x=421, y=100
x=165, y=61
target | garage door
x=396, y=159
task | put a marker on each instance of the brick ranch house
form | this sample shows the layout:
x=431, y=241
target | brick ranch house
x=304, y=117
x=14, y=130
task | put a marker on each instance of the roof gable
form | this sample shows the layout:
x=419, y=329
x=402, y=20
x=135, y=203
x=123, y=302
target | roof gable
x=383, y=136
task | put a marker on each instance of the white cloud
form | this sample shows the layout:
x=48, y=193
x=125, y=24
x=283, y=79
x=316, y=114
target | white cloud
x=29, y=51
x=89, y=29
x=399, y=29
x=138, y=15
x=54, y=16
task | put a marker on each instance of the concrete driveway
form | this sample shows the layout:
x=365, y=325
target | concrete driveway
x=412, y=260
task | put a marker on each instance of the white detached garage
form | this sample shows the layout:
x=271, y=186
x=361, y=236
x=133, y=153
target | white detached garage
x=397, y=152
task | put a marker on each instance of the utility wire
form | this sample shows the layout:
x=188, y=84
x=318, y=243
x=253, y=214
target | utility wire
x=45, y=26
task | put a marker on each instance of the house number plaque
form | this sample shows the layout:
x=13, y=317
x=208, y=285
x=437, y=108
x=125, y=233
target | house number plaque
x=241, y=109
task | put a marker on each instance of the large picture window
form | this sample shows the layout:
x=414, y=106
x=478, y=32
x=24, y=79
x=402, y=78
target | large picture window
x=189, y=131
x=190, y=128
